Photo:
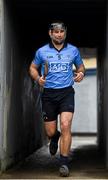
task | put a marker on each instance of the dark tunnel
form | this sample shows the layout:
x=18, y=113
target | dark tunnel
x=85, y=21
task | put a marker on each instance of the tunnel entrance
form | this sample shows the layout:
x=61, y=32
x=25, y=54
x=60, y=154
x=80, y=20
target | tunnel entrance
x=26, y=29
x=85, y=21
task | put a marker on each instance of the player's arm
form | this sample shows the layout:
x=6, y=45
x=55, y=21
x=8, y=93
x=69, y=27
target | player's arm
x=33, y=70
x=79, y=74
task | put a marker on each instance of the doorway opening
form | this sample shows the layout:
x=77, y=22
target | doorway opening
x=85, y=118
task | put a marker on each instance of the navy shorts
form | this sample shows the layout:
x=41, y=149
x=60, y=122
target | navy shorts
x=55, y=101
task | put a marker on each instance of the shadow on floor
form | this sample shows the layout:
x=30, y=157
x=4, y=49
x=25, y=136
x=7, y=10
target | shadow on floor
x=85, y=163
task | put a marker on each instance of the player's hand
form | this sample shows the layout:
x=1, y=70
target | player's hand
x=41, y=81
x=78, y=76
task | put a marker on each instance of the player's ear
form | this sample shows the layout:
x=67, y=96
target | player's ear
x=49, y=32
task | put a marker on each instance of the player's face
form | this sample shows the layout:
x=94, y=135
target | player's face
x=58, y=36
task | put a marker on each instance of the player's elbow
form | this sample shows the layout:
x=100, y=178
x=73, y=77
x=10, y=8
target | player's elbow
x=30, y=70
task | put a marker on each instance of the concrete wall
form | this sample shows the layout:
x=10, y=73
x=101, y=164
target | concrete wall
x=102, y=91
x=106, y=90
x=21, y=129
x=85, y=117
x=1, y=81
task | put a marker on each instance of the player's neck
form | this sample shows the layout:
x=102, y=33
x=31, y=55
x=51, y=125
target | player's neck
x=58, y=46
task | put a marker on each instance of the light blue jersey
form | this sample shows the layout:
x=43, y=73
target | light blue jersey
x=60, y=64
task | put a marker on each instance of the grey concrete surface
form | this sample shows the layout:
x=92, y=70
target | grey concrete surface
x=85, y=162
x=85, y=117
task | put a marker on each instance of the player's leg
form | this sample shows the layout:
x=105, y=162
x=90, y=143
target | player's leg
x=53, y=134
x=65, y=141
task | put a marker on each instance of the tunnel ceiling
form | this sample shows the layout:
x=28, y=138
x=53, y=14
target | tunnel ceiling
x=85, y=19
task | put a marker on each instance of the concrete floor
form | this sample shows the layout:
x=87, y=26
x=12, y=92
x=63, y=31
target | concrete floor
x=85, y=163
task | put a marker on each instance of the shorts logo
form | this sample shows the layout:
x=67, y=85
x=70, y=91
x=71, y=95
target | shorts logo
x=58, y=67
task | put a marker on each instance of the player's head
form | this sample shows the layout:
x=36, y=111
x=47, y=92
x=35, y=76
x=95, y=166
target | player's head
x=57, y=25
x=57, y=32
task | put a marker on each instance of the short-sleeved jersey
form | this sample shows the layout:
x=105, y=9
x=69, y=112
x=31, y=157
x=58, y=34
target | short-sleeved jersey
x=60, y=64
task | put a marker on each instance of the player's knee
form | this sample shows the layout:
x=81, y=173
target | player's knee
x=65, y=126
x=50, y=132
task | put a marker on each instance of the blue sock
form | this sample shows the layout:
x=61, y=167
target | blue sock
x=63, y=160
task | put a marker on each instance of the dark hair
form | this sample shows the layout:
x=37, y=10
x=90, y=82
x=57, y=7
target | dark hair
x=54, y=24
